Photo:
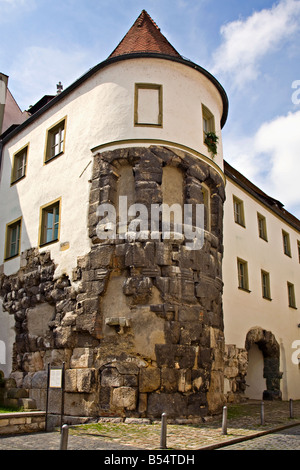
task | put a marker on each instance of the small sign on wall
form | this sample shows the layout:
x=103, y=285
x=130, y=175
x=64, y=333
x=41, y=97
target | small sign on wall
x=55, y=380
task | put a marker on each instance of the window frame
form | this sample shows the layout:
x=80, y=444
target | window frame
x=8, y=243
x=262, y=227
x=43, y=227
x=291, y=295
x=266, y=286
x=16, y=156
x=286, y=246
x=243, y=278
x=241, y=214
x=148, y=86
x=50, y=135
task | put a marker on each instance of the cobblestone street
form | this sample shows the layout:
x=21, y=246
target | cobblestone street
x=288, y=439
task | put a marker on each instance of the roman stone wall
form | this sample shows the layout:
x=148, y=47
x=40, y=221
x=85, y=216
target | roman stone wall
x=236, y=362
x=140, y=324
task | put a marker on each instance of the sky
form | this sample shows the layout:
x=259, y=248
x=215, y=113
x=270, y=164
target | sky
x=251, y=47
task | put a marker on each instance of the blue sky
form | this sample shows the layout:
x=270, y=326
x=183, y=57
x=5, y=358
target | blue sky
x=251, y=47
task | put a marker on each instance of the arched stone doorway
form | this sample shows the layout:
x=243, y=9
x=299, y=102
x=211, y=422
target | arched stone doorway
x=269, y=347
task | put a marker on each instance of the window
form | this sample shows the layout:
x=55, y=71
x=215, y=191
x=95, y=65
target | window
x=298, y=246
x=13, y=236
x=286, y=243
x=262, y=227
x=265, y=284
x=291, y=295
x=148, y=105
x=206, y=202
x=55, y=141
x=208, y=121
x=50, y=217
x=238, y=208
x=243, y=281
x=19, y=165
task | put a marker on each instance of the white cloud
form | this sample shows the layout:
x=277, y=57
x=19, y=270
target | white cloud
x=246, y=42
x=37, y=70
x=12, y=2
x=280, y=139
x=270, y=159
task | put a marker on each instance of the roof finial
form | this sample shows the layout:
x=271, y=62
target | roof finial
x=59, y=88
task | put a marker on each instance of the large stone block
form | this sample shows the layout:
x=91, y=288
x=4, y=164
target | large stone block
x=101, y=256
x=81, y=358
x=149, y=379
x=39, y=380
x=85, y=380
x=175, y=355
x=71, y=380
x=169, y=380
x=110, y=377
x=81, y=404
x=174, y=404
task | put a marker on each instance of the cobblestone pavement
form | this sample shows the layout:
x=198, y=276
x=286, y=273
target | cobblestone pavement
x=243, y=423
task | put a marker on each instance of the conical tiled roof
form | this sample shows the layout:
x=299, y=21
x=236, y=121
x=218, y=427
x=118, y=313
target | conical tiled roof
x=144, y=36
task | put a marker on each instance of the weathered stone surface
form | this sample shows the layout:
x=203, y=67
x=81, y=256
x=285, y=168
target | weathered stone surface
x=39, y=380
x=124, y=397
x=110, y=377
x=81, y=404
x=85, y=380
x=165, y=352
x=178, y=356
x=71, y=380
x=174, y=404
x=169, y=380
x=149, y=380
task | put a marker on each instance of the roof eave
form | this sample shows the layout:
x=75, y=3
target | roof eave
x=271, y=203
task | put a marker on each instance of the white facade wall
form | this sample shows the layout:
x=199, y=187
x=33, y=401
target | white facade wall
x=245, y=310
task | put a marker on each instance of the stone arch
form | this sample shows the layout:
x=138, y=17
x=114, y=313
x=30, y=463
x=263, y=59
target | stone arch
x=268, y=345
x=119, y=387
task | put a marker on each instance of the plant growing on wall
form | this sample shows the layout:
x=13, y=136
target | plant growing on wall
x=211, y=140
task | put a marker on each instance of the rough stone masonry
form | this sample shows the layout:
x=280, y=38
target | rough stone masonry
x=140, y=323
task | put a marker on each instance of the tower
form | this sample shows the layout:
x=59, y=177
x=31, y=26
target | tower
x=139, y=319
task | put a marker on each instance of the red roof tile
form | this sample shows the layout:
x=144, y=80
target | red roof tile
x=144, y=36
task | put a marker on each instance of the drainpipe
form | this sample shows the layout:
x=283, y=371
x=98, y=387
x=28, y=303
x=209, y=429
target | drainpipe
x=3, y=89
